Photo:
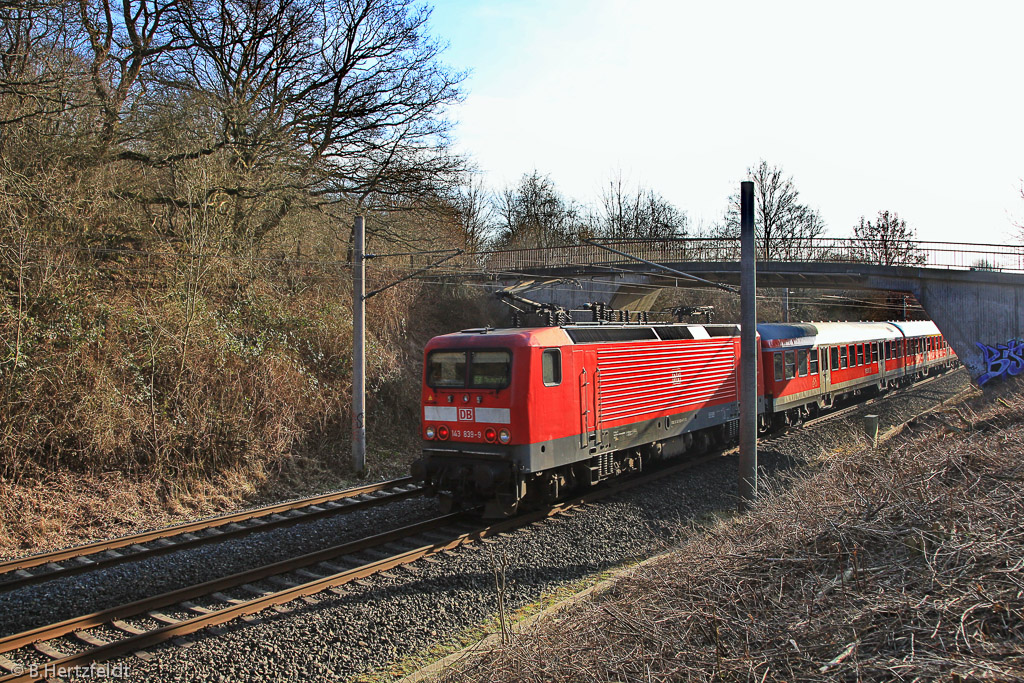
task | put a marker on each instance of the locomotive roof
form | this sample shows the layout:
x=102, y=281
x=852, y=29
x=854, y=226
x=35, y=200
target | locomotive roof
x=582, y=333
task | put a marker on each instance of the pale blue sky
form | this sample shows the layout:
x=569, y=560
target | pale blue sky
x=914, y=107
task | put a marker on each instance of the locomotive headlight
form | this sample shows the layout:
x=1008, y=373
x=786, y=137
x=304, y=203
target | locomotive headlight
x=465, y=398
x=504, y=436
x=442, y=432
x=479, y=398
x=430, y=431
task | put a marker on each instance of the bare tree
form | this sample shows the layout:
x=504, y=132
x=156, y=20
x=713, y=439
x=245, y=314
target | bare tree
x=533, y=213
x=638, y=213
x=1020, y=225
x=124, y=38
x=887, y=241
x=355, y=85
x=785, y=226
x=293, y=104
x=474, y=209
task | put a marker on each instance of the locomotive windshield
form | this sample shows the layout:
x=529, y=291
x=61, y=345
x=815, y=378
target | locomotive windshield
x=469, y=369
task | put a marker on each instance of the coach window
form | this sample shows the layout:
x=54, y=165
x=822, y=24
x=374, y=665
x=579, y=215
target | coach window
x=842, y=356
x=835, y=358
x=790, y=364
x=778, y=366
x=860, y=354
x=551, y=365
x=814, y=362
x=802, y=362
x=874, y=352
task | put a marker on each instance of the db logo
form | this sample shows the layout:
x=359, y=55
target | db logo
x=466, y=415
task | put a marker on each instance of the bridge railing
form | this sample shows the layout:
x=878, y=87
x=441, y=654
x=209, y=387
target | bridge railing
x=951, y=255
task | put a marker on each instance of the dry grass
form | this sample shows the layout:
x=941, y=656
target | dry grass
x=131, y=402
x=902, y=564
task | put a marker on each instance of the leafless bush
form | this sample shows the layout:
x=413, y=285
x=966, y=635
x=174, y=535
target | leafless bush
x=903, y=564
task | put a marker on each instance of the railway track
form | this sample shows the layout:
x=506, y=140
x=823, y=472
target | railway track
x=46, y=566
x=45, y=651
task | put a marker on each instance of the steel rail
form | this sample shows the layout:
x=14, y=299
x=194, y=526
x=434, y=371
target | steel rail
x=14, y=573
x=102, y=651
x=175, y=597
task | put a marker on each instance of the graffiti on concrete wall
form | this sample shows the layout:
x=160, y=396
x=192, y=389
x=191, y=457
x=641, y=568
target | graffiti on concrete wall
x=1002, y=359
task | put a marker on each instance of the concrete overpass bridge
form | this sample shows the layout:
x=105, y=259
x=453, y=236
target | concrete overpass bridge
x=973, y=292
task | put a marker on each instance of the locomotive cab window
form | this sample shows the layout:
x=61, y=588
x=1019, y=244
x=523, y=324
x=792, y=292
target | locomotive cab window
x=551, y=367
x=489, y=369
x=446, y=369
x=472, y=369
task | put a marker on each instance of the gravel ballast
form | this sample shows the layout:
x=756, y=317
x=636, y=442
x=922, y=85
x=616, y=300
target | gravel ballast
x=370, y=626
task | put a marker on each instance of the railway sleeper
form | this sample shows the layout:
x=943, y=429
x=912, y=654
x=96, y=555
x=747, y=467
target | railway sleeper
x=9, y=665
x=89, y=639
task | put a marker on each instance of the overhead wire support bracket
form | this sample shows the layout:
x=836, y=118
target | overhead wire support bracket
x=659, y=266
x=409, y=276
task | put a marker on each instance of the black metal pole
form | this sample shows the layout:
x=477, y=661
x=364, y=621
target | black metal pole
x=359, y=348
x=748, y=350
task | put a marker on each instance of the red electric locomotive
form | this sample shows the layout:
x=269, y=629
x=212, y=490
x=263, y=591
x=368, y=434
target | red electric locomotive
x=518, y=414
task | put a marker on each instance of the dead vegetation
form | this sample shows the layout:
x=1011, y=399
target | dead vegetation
x=135, y=398
x=905, y=563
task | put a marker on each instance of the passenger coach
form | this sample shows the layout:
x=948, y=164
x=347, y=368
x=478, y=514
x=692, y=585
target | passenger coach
x=813, y=364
